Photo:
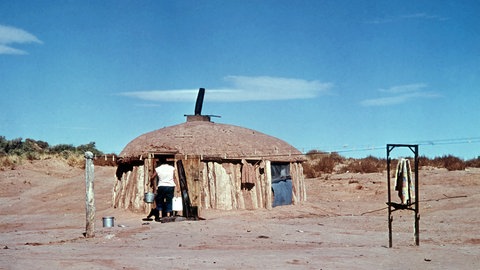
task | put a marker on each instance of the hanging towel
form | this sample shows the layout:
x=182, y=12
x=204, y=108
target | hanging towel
x=404, y=183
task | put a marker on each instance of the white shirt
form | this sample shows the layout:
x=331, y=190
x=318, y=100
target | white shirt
x=165, y=174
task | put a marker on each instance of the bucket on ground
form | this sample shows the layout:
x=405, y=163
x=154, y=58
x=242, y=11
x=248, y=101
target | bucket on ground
x=108, y=221
x=177, y=204
x=149, y=197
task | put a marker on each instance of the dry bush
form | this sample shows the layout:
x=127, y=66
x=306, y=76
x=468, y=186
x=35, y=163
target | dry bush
x=9, y=162
x=315, y=154
x=448, y=162
x=77, y=161
x=309, y=171
x=424, y=161
x=369, y=164
x=451, y=163
x=474, y=163
x=13, y=152
x=321, y=162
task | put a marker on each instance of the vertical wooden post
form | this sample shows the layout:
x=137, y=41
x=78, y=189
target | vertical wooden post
x=89, y=197
x=389, y=198
x=417, y=214
x=268, y=185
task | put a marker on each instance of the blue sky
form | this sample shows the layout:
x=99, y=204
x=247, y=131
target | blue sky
x=346, y=76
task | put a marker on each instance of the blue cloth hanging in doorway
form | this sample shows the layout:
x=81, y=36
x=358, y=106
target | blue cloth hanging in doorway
x=282, y=192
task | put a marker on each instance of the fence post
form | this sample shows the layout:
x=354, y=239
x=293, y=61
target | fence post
x=89, y=197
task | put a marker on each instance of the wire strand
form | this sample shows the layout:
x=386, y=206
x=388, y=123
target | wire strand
x=344, y=149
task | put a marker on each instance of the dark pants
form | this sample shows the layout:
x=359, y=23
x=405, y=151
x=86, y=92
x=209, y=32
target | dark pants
x=164, y=199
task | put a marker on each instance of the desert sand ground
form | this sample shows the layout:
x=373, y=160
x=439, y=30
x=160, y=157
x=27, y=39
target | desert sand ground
x=343, y=225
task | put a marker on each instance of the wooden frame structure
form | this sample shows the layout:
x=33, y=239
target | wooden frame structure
x=213, y=183
x=394, y=206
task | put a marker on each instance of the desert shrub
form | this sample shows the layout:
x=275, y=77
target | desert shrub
x=475, y=163
x=3, y=144
x=337, y=157
x=424, y=161
x=62, y=148
x=89, y=147
x=76, y=160
x=369, y=164
x=34, y=146
x=315, y=154
x=450, y=163
x=9, y=162
x=14, y=151
x=324, y=165
x=67, y=149
x=321, y=162
x=309, y=171
x=13, y=147
x=327, y=163
x=32, y=156
x=436, y=162
x=65, y=154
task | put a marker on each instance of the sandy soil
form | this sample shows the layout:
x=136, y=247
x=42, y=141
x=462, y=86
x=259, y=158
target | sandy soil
x=342, y=226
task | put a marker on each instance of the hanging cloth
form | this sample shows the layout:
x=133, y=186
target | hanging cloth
x=404, y=183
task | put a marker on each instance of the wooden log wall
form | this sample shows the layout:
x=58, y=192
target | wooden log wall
x=219, y=186
x=212, y=185
x=298, y=183
x=128, y=193
x=222, y=186
x=193, y=171
x=149, y=166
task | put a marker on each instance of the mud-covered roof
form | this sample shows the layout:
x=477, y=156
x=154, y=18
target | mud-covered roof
x=212, y=140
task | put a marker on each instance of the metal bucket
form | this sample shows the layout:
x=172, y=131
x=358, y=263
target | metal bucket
x=149, y=197
x=108, y=221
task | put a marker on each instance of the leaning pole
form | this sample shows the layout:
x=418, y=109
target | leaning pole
x=89, y=195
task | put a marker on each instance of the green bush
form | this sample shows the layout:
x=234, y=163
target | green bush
x=12, y=152
x=61, y=148
x=89, y=147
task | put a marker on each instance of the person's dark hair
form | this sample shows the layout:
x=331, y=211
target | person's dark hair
x=163, y=160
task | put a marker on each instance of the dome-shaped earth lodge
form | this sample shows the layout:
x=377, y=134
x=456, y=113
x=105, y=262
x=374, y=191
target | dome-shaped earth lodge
x=222, y=166
x=212, y=140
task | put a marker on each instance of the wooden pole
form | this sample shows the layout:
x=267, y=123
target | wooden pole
x=268, y=185
x=89, y=198
x=417, y=214
x=389, y=199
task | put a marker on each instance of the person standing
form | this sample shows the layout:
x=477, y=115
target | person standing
x=165, y=189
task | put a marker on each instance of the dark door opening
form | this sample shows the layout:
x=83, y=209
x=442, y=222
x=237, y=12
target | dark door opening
x=281, y=184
